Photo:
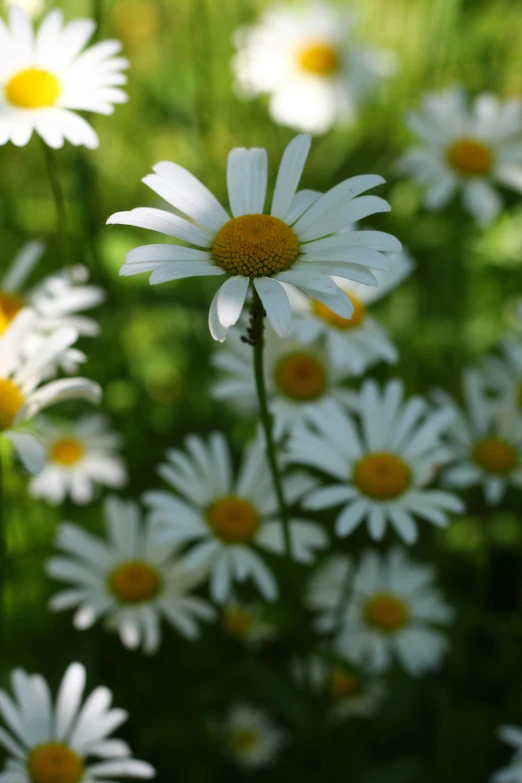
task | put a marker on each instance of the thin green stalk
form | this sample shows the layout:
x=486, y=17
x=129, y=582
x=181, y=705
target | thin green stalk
x=3, y=557
x=258, y=341
x=97, y=13
x=59, y=201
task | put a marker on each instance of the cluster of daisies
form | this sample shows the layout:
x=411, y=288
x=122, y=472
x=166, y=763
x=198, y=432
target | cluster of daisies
x=355, y=454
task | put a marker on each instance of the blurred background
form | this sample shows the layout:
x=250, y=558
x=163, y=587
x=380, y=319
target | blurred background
x=153, y=361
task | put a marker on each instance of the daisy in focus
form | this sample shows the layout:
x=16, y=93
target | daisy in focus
x=298, y=379
x=251, y=739
x=300, y=242
x=79, y=457
x=308, y=61
x=63, y=740
x=227, y=517
x=129, y=578
x=512, y=735
x=382, y=464
x=22, y=394
x=352, y=343
x=247, y=623
x=465, y=146
x=392, y=611
x=485, y=442
x=48, y=76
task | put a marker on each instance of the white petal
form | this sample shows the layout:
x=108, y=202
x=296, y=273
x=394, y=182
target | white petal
x=275, y=301
x=30, y=451
x=247, y=172
x=289, y=174
x=230, y=300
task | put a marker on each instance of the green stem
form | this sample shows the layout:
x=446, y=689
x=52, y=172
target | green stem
x=258, y=342
x=3, y=557
x=59, y=201
x=98, y=16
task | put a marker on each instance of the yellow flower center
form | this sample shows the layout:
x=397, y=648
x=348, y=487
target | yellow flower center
x=54, y=763
x=470, y=158
x=342, y=685
x=325, y=314
x=387, y=613
x=319, y=58
x=237, y=622
x=244, y=740
x=233, y=520
x=135, y=582
x=11, y=400
x=66, y=451
x=10, y=305
x=300, y=376
x=255, y=246
x=495, y=455
x=33, y=88
x=382, y=476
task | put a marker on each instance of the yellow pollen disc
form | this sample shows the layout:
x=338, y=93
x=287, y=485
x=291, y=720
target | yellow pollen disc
x=381, y=476
x=33, y=89
x=66, y=451
x=300, y=376
x=11, y=400
x=342, y=685
x=237, y=622
x=10, y=305
x=325, y=314
x=233, y=520
x=387, y=613
x=470, y=158
x=495, y=455
x=319, y=58
x=255, y=246
x=135, y=582
x=54, y=763
x=244, y=740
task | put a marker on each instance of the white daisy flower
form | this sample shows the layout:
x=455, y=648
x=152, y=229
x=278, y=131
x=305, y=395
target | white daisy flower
x=48, y=77
x=307, y=60
x=247, y=623
x=382, y=466
x=503, y=374
x=79, y=456
x=31, y=7
x=352, y=343
x=350, y=692
x=391, y=611
x=63, y=740
x=485, y=442
x=298, y=378
x=226, y=517
x=129, y=578
x=466, y=147
x=300, y=242
x=22, y=394
x=251, y=739
x=512, y=735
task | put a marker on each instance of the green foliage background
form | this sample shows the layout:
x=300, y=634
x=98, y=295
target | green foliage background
x=153, y=362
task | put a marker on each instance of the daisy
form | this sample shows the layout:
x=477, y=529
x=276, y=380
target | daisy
x=391, y=611
x=22, y=394
x=309, y=63
x=63, y=741
x=350, y=692
x=298, y=379
x=246, y=622
x=382, y=466
x=299, y=242
x=485, y=442
x=225, y=517
x=466, y=146
x=128, y=578
x=503, y=374
x=512, y=735
x=48, y=76
x=251, y=740
x=79, y=456
x=352, y=343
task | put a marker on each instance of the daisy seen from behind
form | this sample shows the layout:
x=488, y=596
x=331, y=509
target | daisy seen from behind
x=382, y=464
x=80, y=456
x=22, y=393
x=48, y=76
x=63, y=739
x=465, y=146
x=128, y=578
x=250, y=737
x=226, y=517
x=512, y=735
x=308, y=60
x=299, y=242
